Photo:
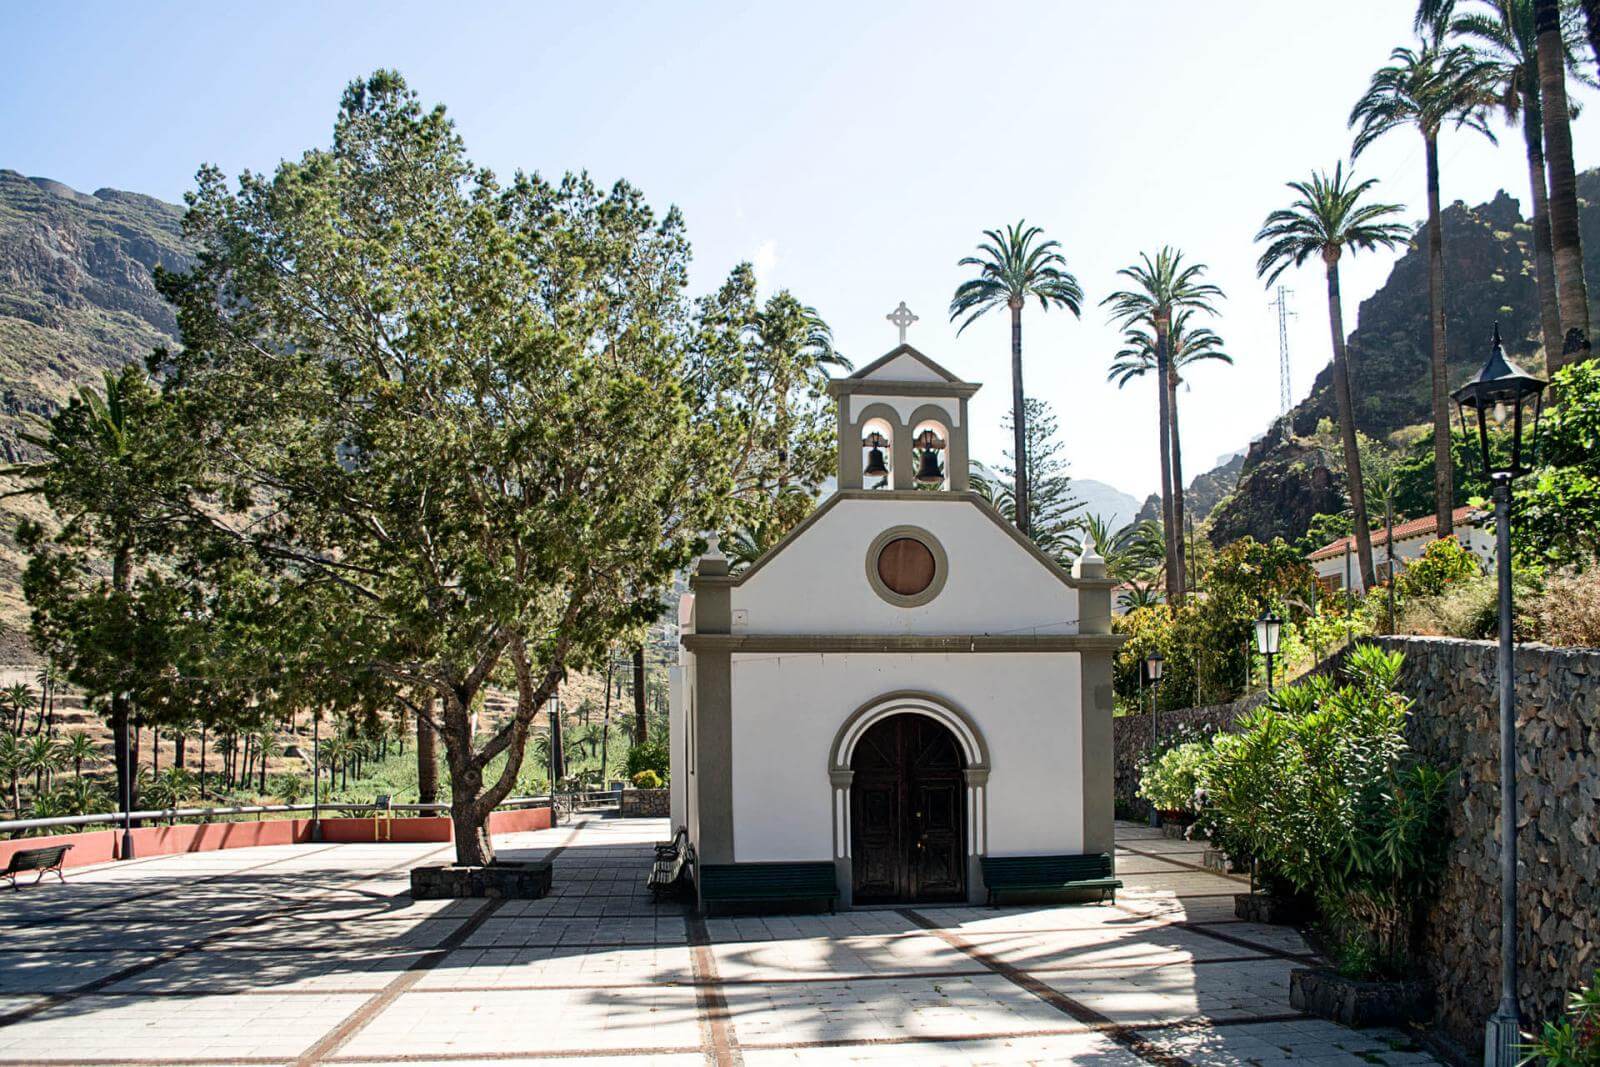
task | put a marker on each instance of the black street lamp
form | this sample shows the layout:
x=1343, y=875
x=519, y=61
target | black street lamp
x=1154, y=664
x=316, y=775
x=1269, y=628
x=128, y=770
x=1500, y=391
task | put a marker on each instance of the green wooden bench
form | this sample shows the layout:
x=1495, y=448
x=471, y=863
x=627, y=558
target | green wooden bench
x=42, y=860
x=1036, y=874
x=768, y=883
x=667, y=870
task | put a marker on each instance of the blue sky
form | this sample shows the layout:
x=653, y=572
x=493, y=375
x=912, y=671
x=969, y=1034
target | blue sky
x=853, y=151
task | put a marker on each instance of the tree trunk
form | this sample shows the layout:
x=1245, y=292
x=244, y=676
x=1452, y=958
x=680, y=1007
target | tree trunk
x=1444, y=480
x=641, y=722
x=1543, y=257
x=605, y=725
x=1347, y=421
x=558, y=748
x=1164, y=417
x=1178, y=531
x=177, y=749
x=427, y=763
x=263, y=788
x=1019, y=428
x=1567, y=245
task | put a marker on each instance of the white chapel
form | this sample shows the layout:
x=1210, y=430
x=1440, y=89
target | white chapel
x=904, y=684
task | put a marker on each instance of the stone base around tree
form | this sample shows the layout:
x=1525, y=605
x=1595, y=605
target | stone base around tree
x=1270, y=908
x=1327, y=994
x=500, y=880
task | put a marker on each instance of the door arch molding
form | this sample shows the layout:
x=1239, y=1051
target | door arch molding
x=976, y=769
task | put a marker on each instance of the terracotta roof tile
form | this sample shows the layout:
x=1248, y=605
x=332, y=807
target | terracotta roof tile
x=1465, y=516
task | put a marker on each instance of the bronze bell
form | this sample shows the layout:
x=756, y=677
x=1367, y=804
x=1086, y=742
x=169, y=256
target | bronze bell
x=876, y=467
x=928, y=471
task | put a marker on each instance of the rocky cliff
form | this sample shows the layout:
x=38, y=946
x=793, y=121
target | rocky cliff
x=76, y=296
x=1285, y=481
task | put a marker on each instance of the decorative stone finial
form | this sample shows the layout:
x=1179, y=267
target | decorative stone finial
x=714, y=548
x=1090, y=563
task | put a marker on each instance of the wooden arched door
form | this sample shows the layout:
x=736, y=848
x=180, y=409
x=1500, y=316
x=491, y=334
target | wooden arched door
x=908, y=814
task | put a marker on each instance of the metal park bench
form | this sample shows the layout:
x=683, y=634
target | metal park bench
x=672, y=859
x=768, y=883
x=1037, y=874
x=42, y=860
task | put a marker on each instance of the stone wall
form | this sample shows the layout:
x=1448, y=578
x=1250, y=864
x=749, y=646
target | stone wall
x=1131, y=741
x=646, y=803
x=1455, y=725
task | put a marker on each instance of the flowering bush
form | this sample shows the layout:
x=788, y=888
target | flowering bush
x=1171, y=781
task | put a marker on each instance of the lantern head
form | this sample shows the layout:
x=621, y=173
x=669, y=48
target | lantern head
x=1500, y=391
x=1269, y=628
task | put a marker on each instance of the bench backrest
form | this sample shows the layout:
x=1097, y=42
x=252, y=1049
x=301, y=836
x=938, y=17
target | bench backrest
x=37, y=859
x=1044, y=870
x=798, y=879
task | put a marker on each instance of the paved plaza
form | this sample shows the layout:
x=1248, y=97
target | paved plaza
x=316, y=954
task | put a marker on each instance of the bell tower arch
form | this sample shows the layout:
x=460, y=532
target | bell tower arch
x=902, y=424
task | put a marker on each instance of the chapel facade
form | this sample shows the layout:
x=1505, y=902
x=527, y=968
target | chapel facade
x=902, y=685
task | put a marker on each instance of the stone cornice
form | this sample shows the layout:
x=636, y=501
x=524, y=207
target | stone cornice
x=876, y=387
x=902, y=643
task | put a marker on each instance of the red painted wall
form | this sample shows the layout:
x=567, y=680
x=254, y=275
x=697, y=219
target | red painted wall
x=102, y=846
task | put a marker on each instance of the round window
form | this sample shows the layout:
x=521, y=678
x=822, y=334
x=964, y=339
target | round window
x=906, y=566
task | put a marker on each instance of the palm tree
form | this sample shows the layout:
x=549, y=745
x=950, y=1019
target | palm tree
x=18, y=700
x=1015, y=264
x=267, y=745
x=1186, y=346
x=79, y=747
x=1423, y=89
x=1164, y=287
x=1572, y=295
x=1326, y=217
x=41, y=757
x=11, y=765
x=1502, y=33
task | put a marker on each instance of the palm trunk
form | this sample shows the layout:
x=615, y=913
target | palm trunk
x=1181, y=557
x=1567, y=245
x=1543, y=256
x=641, y=721
x=1443, y=459
x=177, y=749
x=1019, y=428
x=427, y=762
x=1164, y=417
x=1347, y=422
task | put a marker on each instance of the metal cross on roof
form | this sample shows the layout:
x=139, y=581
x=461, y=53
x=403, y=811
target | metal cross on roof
x=902, y=317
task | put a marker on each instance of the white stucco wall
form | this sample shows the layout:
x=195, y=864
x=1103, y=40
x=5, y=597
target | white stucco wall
x=818, y=583
x=1479, y=540
x=787, y=710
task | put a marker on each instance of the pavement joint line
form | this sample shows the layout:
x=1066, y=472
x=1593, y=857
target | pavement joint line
x=718, y=1041
x=1160, y=858
x=1128, y=1038
x=342, y=1034
x=133, y=970
x=1237, y=942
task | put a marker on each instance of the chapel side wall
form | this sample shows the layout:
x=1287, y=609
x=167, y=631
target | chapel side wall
x=819, y=580
x=789, y=708
x=677, y=745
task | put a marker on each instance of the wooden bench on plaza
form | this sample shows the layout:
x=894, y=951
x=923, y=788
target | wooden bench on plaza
x=672, y=857
x=1039, y=874
x=42, y=860
x=768, y=883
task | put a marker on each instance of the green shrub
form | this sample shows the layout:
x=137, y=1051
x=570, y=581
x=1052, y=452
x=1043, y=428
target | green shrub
x=1171, y=781
x=1442, y=564
x=1575, y=1040
x=649, y=756
x=1321, y=787
x=647, y=779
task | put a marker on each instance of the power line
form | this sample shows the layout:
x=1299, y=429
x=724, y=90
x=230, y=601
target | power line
x=1285, y=392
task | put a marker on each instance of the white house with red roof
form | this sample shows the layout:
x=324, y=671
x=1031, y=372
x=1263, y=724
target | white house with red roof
x=1338, y=565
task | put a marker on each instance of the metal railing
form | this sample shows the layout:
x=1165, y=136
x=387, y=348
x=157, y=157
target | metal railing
x=118, y=818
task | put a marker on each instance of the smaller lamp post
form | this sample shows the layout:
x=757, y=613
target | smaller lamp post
x=128, y=771
x=316, y=774
x=1498, y=391
x=1269, y=628
x=1154, y=664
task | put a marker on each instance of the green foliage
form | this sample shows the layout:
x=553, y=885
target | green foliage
x=1573, y=1041
x=1557, y=516
x=647, y=779
x=1442, y=564
x=650, y=756
x=1170, y=783
x=1322, y=788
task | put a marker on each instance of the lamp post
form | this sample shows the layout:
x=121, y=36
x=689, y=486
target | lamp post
x=1498, y=391
x=1269, y=628
x=1154, y=664
x=128, y=770
x=316, y=774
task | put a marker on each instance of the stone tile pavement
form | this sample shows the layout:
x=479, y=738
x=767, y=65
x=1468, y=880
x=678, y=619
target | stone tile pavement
x=315, y=954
